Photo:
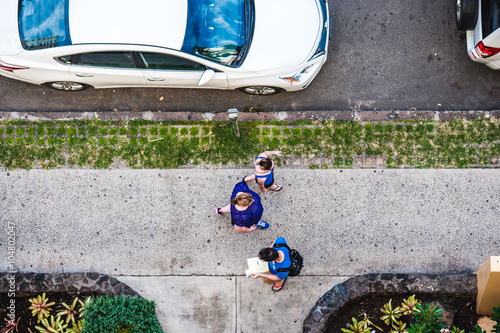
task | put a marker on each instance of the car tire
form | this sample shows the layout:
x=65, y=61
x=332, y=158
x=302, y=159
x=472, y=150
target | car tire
x=260, y=90
x=67, y=86
x=466, y=14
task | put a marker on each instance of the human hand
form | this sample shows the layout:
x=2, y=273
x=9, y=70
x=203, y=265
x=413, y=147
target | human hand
x=255, y=275
x=278, y=152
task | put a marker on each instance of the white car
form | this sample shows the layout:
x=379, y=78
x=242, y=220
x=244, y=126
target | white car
x=481, y=21
x=258, y=46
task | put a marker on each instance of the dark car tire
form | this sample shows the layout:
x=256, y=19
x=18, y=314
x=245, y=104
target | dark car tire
x=67, y=86
x=466, y=14
x=260, y=90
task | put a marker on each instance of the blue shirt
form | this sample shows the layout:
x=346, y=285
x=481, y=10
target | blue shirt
x=253, y=213
x=274, y=266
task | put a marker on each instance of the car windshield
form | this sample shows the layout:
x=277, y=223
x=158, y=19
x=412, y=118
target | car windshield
x=216, y=29
x=43, y=23
x=490, y=16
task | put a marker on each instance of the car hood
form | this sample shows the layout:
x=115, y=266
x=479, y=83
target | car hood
x=285, y=34
x=10, y=42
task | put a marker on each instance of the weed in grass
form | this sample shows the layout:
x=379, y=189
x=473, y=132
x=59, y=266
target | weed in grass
x=20, y=131
x=194, y=131
x=184, y=131
x=40, y=130
x=174, y=131
x=265, y=131
x=134, y=131
x=122, y=131
x=92, y=130
x=61, y=131
x=103, y=131
x=287, y=131
x=206, y=130
x=297, y=131
x=276, y=131
x=10, y=131
x=205, y=140
x=112, y=131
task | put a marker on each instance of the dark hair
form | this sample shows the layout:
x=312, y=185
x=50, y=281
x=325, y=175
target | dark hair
x=268, y=254
x=266, y=163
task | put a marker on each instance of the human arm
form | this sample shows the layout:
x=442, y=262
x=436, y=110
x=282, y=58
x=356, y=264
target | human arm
x=269, y=276
x=279, y=240
x=270, y=153
x=245, y=229
x=226, y=209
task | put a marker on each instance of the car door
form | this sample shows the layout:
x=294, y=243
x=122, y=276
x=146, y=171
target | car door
x=166, y=70
x=107, y=69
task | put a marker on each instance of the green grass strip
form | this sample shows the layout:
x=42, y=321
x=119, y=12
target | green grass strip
x=165, y=145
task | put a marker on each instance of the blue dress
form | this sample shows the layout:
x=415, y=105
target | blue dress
x=252, y=214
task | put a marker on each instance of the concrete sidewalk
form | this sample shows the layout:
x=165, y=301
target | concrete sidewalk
x=157, y=231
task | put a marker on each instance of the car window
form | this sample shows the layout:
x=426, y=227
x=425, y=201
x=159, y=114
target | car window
x=107, y=59
x=43, y=23
x=217, y=30
x=170, y=62
x=490, y=12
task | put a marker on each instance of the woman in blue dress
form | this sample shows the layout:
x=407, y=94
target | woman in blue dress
x=246, y=209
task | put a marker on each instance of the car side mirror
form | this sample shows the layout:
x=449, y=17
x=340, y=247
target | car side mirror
x=207, y=75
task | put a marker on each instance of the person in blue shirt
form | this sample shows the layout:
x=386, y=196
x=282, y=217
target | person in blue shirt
x=264, y=172
x=246, y=209
x=279, y=264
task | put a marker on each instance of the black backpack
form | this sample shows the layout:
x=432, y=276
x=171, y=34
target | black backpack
x=295, y=258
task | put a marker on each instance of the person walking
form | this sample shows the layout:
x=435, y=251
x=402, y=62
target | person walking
x=264, y=172
x=279, y=261
x=246, y=209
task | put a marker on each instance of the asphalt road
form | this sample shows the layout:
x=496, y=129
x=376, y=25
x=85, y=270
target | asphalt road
x=384, y=55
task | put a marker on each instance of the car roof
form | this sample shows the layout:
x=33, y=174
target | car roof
x=146, y=22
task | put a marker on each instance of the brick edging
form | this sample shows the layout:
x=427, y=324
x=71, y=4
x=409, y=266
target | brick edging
x=31, y=284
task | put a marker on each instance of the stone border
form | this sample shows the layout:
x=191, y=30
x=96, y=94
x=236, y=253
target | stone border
x=383, y=284
x=287, y=116
x=30, y=284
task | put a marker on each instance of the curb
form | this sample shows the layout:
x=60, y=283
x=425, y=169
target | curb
x=286, y=116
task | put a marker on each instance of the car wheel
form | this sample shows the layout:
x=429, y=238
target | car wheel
x=261, y=90
x=466, y=14
x=67, y=86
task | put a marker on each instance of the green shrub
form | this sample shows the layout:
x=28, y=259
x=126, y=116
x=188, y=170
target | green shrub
x=496, y=317
x=121, y=314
